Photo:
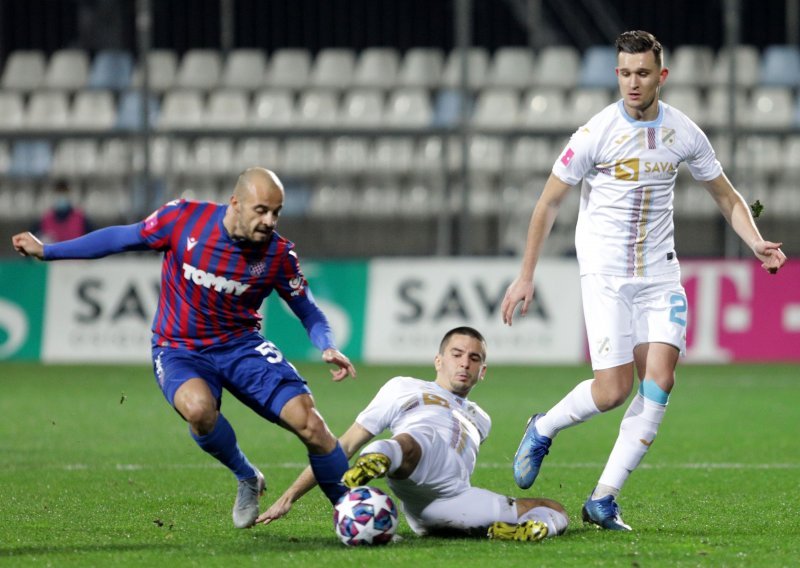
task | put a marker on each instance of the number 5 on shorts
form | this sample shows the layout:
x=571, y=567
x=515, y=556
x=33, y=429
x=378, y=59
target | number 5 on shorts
x=270, y=352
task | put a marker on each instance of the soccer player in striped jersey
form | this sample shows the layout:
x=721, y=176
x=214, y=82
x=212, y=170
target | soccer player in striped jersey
x=635, y=308
x=219, y=264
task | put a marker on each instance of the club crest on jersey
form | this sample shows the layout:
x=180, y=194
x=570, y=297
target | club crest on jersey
x=190, y=243
x=257, y=268
x=210, y=280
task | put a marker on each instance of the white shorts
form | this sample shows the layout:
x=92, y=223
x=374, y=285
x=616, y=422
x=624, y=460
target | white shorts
x=622, y=312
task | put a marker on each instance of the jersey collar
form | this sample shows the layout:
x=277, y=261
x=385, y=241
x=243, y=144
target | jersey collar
x=648, y=124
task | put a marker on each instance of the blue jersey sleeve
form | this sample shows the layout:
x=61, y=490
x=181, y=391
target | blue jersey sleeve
x=315, y=322
x=97, y=244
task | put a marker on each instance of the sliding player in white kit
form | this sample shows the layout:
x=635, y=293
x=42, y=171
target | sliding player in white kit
x=428, y=462
x=635, y=308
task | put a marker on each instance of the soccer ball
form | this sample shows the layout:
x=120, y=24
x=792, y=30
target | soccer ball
x=365, y=515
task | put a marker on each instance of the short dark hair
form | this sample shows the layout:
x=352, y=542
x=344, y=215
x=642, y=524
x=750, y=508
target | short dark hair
x=638, y=41
x=462, y=330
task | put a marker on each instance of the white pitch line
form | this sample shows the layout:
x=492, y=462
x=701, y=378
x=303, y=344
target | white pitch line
x=550, y=465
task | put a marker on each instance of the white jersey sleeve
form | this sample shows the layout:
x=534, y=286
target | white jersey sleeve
x=629, y=169
x=405, y=403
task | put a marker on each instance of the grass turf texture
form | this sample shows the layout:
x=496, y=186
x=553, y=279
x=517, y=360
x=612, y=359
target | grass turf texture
x=97, y=470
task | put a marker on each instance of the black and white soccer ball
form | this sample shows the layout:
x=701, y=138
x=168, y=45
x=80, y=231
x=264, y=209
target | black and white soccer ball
x=365, y=516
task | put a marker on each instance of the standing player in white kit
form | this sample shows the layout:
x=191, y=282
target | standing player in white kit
x=635, y=308
x=436, y=435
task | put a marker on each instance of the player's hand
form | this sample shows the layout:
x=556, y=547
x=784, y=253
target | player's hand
x=770, y=255
x=336, y=357
x=520, y=290
x=28, y=245
x=278, y=509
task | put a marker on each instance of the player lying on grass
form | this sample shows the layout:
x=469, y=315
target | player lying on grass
x=428, y=462
x=220, y=262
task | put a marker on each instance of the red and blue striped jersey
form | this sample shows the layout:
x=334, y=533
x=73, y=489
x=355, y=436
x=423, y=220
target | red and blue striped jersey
x=212, y=286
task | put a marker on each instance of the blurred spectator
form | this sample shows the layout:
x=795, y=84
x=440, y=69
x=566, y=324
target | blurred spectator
x=63, y=220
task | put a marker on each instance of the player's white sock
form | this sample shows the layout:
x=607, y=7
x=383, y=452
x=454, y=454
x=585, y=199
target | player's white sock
x=636, y=434
x=578, y=406
x=556, y=521
x=389, y=448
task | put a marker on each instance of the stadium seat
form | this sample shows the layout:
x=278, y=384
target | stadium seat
x=111, y=69
x=67, y=69
x=487, y=154
x=543, y=108
x=258, y=151
x=528, y=156
x=129, y=112
x=348, y=156
x=690, y=65
x=448, y=107
x=30, y=158
x=47, y=110
x=780, y=66
x=392, y=156
x=317, y=109
x=511, y=67
x=5, y=158
x=333, y=200
x=376, y=67
x=558, y=66
x=228, y=108
x=244, y=69
x=333, y=68
x=771, y=108
x=583, y=104
x=199, y=69
x=24, y=70
x=93, y=110
x=12, y=110
x=162, y=70
x=378, y=199
x=718, y=105
x=784, y=200
x=688, y=100
x=759, y=154
x=303, y=157
x=273, y=108
x=748, y=62
x=182, y=109
x=421, y=67
x=409, y=108
x=597, y=68
x=213, y=157
x=361, y=108
x=477, y=68
x=496, y=109
x=289, y=68
x=114, y=158
x=74, y=158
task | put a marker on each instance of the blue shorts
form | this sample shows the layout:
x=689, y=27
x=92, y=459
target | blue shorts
x=251, y=368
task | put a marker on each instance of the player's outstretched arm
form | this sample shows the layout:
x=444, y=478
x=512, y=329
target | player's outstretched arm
x=351, y=441
x=26, y=244
x=345, y=367
x=736, y=211
x=542, y=219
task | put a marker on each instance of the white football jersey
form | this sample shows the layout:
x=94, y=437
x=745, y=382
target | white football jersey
x=406, y=402
x=629, y=168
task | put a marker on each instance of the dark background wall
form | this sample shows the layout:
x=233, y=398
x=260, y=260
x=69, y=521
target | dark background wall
x=270, y=24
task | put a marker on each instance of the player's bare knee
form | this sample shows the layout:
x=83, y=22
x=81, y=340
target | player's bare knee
x=201, y=418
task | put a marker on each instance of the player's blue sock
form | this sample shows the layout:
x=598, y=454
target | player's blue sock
x=221, y=443
x=329, y=469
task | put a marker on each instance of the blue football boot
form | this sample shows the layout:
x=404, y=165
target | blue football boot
x=530, y=454
x=604, y=513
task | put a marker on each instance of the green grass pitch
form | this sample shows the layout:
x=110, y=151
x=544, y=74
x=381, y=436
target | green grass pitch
x=97, y=470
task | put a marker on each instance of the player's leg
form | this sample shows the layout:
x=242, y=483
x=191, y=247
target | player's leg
x=197, y=400
x=607, y=312
x=537, y=518
x=659, y=322
x=397, y=457
x=328, y=460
